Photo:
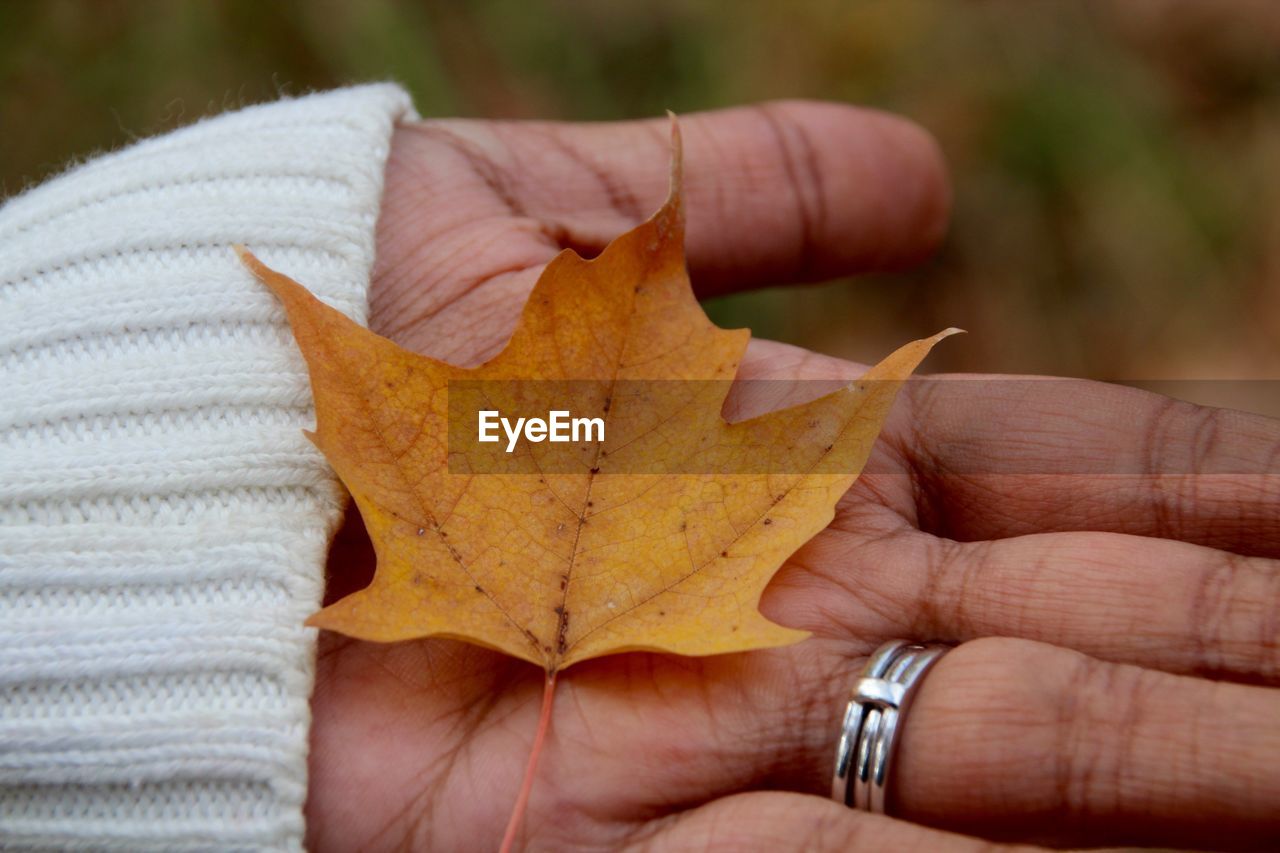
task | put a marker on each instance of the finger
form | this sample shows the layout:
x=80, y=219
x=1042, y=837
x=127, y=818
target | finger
x=781, y=191
x=1012, y=739
x=472, y=210
x=775, y=821
x=1164, y=604
x=998, y=457
x=1157, y=603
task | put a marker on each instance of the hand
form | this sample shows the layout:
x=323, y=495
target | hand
x=1088, y=726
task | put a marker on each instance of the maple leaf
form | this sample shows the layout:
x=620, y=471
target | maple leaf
x=562, y=566
x=659, y=536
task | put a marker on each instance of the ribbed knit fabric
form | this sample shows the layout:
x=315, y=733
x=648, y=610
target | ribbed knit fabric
x=163, y=521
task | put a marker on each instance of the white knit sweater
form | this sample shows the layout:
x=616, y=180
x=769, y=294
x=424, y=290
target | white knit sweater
x=163, y=521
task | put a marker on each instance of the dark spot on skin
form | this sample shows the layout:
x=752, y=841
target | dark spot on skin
x=591, y=503
x=684, y=525
x=768, y=521
x=479, y=588
x=559, y=611
x=608, y=401
x=724, y=553
x=443, y=534
x=595, y=470
x=547, y=649
x=828, y=449
x=603, y=453
x=778, y=498
x=734, y=628
x=637, y=288
x=662, y=613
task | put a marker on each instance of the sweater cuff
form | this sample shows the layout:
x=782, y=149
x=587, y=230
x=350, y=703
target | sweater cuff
x=163, y=521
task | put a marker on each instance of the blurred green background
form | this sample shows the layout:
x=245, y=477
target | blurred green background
x=1117, y=164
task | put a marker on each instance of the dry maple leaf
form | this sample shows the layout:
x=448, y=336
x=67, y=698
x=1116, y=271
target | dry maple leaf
x=638, y=547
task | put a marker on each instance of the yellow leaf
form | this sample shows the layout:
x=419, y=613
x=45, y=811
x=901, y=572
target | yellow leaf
x=635, y=548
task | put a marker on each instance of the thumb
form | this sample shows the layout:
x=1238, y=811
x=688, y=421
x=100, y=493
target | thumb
x=782, y=821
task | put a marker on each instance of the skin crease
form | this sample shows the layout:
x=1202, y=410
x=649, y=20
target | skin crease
x=1092, y=722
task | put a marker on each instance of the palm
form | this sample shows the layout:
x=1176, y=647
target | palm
x=421, y=745
x=424, y=743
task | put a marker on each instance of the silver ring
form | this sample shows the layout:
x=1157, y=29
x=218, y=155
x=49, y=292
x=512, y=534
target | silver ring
x=872, y=720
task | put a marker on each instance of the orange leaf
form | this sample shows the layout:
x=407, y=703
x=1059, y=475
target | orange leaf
x=627, y=550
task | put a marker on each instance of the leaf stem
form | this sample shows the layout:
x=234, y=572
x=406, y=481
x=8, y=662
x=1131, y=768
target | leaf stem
x=530, y=770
